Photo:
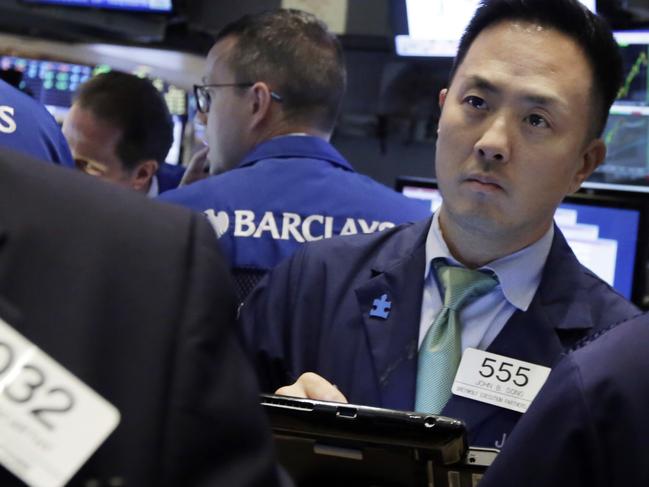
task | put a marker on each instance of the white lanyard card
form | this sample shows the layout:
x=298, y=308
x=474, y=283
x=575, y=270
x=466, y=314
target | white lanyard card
x=50, y=421
x=498, y=380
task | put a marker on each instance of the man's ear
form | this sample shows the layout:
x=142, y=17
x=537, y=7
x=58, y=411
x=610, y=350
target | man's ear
x=261, y=103
x=442, y=97
x=142, y=175
x=592, y=156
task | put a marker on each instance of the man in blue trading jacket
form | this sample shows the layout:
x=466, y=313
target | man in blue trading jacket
x=520, y=128
x=27, y=127
x=588, y=426
x=271, y=94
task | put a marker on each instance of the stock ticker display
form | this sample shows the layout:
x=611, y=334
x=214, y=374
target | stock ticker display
x=627, y=130
x=54, y=84
x=135, y=5
x=50, y=82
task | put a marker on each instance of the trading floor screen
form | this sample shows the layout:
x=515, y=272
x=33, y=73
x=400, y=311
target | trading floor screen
x=627, y=130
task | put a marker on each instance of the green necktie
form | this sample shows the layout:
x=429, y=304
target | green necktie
x=441, y=350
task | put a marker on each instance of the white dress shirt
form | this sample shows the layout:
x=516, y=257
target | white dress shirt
x=154, y=187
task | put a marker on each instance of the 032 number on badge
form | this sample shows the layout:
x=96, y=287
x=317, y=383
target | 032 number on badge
x=21, y=382
x=50, y=421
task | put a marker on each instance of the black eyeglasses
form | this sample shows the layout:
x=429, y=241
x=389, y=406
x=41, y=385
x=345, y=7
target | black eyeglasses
x=204, y=100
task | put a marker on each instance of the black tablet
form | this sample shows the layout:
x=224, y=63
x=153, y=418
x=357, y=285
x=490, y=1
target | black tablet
x=328, y=443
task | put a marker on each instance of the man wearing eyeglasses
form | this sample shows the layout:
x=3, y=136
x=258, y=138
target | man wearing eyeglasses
x=119, y=129
x=270, y=97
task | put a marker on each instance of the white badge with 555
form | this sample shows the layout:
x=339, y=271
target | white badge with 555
x=50, y=421
x=498, y=380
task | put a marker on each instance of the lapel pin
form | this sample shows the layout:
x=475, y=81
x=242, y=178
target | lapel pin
x=381, y=307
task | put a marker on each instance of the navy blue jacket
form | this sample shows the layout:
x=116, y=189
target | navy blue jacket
x=27, y=127
x=312, y=314
x=289, y=190
x=588, y=426
x=169, y=176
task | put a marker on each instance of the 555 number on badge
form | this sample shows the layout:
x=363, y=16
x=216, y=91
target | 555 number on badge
x=498, y=380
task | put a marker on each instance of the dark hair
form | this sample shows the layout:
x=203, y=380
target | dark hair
x=135, y=106
x=297, y=55
x=589, y=31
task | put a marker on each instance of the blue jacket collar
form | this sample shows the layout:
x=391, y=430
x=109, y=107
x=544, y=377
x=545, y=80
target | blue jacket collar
x=411, y=243
x=558, y=313
x=556, y=292
x=296, y=146
x=398, y=272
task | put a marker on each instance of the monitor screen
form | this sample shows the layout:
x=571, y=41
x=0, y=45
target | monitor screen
x=174, y=156
x=604, y=239
x=132, y=5
x=54, y=83
x=435, y=26
x=605, y=230
x=421, y=189
x=627, y=132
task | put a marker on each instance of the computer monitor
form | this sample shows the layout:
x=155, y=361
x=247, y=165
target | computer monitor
x=421, y=189
x=432, y=28
x=158, y=6
x=607, y=231
x=627, y=132
x=54, y=83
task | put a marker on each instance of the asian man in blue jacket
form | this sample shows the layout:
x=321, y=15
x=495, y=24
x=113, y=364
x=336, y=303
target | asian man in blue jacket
x=520, y=128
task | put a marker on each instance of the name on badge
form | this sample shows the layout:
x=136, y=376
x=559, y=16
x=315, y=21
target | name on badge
x=498, y=380
x=50, y=421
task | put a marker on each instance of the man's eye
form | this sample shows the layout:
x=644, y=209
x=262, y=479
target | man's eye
x=476, y=102
x=537, y=121
x=93, y=168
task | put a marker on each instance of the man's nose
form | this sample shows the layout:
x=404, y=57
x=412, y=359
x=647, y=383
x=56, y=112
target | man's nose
x=494, y=144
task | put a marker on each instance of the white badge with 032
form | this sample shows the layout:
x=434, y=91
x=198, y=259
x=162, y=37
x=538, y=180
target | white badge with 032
x=50, y=421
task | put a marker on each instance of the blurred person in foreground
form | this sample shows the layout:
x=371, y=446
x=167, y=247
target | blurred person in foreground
x=588, y=426
x=81, y=278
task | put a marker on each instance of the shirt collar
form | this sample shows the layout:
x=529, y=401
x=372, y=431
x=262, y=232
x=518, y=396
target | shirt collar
x=295, y=146
x=518, y=287
x=154, y=188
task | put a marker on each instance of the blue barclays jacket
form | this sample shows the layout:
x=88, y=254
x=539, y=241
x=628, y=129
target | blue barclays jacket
x=311, y=313
x=27, y=127
x=289, y=190
x=588, y=426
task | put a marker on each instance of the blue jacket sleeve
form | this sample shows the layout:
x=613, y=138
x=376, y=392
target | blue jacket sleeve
x=266, y=321
x=555, y=443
